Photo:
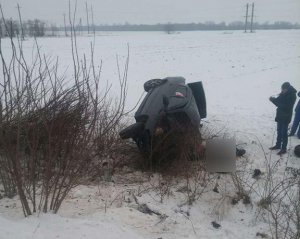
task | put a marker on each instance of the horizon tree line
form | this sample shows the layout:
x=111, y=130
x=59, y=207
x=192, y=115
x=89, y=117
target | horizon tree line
x=30, y=28
x=39, y=28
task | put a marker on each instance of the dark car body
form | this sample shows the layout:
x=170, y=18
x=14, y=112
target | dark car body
x=168, y=99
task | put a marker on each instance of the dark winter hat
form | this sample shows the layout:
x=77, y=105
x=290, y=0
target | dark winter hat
x=285, y=85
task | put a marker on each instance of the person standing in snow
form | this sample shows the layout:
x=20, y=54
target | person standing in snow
x=285, y=104
x=296, y=122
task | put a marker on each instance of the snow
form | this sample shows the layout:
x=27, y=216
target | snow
x=239, y=72
x=54, y=226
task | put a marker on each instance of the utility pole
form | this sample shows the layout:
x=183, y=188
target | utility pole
x=87, y=17
x=21, y=25
x=252, y=14
x=246, y=22
x=66, y=34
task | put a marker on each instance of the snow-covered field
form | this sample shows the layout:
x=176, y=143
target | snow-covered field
x=239, y=72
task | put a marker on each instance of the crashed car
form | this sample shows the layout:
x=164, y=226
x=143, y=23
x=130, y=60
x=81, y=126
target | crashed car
x=170, y=103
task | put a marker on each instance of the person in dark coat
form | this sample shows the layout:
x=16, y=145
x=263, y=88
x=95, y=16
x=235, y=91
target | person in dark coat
x=296, y=122
x=285, y=104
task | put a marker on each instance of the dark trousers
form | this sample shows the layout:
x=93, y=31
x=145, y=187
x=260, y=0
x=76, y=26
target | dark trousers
x=282, y=135
x=296, y=125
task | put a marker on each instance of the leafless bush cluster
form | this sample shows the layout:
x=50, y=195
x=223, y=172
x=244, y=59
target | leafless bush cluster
x=284, y=210
x=161, y=185
x=180, y=143
x=53, y=132
x=281, y=201
x=243, y=190
x=196, y=181
x=178, y=157
x=278, y=191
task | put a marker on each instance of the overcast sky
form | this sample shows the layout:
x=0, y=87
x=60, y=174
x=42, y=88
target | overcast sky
x=156, y=11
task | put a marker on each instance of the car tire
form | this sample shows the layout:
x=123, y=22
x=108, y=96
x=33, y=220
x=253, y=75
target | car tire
x=132, y=131
x=150, y=84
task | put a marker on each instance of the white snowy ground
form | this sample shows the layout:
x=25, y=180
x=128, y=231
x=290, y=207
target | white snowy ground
x=239, y=72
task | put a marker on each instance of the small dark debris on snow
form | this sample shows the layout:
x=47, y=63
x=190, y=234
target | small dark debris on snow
x=246, y=199
x=145, y=209
x=256, y=173
x=183, y=212
x=215, y=189
x=234, y=201
x=262, y=235
x=216, y=225
x=265, y=202
x=240, y=152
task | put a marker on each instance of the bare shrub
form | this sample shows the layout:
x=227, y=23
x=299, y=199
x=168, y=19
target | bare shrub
x=51, y=132
x=179, y=141
x=280, y=200
x=179, y=155
x=7, y=181
x=161, y=185
x=243, y=191
x=282, y=206
x=196, y=180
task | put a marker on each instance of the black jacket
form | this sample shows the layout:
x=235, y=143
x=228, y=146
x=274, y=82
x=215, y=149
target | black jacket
x=285, y=104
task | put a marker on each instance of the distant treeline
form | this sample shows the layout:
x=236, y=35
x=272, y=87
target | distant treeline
x=207, y=26
x=31, y=28
x=39, y=28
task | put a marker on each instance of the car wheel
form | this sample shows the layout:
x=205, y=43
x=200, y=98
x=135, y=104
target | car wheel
x=150, y=84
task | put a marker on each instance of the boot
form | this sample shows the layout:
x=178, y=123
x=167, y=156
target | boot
x=274, y=147
x=282, y=151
